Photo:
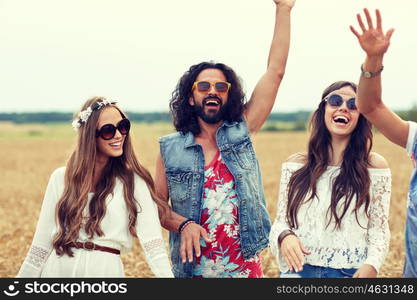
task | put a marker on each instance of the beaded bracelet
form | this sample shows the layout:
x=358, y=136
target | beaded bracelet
x=184, y=224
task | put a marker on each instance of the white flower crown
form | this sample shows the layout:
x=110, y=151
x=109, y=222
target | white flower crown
x=85, y=114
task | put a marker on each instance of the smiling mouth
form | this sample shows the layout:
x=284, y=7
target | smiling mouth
x=212, y=102
x=116, y=145
x=341, y=120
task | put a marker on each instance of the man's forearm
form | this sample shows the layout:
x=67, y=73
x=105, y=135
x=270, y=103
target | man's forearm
x=263, y=97
x=173, y=221
x=280, y=45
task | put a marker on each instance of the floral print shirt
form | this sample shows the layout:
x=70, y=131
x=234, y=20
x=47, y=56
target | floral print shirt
x=219, y=216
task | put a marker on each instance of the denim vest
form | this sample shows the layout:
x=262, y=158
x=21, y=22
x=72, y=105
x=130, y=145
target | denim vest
x=184, y=168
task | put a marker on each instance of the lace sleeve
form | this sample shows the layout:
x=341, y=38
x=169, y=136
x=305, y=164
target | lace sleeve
x=42, y=241
x=378, y=235
x=280, y=223
x=148, y=228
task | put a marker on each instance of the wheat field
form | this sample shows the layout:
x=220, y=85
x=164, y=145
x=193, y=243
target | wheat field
x=29, y=153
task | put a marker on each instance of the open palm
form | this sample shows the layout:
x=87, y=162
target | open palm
x=372, y=40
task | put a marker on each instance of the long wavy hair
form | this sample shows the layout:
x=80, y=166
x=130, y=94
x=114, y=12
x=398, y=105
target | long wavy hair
x=353, y=179
x=183, y=114
x=79, y=182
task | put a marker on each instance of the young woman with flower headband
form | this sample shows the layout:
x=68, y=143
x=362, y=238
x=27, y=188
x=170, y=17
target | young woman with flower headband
x=95, y=205
x=332, y=216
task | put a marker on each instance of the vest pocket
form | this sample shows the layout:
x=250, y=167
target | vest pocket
x=179, y=185
x=244, y=154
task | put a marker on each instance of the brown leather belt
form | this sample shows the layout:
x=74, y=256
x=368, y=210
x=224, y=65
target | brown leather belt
x=91, y=246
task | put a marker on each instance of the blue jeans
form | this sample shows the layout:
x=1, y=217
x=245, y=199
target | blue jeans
x=310, y=271
x=410, y=265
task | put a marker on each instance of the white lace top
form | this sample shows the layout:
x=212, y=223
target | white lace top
x=116, y=235
x=351, y=246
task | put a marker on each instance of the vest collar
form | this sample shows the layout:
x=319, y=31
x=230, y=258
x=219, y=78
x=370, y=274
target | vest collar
x=190, y=140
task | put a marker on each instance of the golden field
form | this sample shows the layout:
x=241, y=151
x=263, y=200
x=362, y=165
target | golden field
x=29, y=153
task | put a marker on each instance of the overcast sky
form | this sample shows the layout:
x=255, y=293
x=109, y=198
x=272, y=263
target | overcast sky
x=55, y=54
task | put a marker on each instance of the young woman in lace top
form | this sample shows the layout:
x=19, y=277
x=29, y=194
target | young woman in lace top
x=95, y=205
x=332, y=215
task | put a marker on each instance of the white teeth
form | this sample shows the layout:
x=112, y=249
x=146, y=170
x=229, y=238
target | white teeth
x=115, y=144
x=341, y=118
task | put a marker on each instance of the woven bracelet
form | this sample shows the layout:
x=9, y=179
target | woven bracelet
x=184, y=224
x=284, y=234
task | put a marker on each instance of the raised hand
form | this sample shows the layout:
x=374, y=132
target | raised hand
x=372, y=40
x=289, y=3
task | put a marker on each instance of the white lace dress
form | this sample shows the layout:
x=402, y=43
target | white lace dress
x=352, y=245
x=42, y=260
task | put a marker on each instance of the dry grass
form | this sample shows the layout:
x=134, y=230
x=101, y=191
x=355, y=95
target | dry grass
x=30, y=153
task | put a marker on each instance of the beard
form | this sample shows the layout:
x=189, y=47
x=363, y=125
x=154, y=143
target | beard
x=212, y=116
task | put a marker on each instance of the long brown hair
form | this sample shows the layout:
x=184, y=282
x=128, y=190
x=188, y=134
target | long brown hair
x=79, y=180
x=353, y=179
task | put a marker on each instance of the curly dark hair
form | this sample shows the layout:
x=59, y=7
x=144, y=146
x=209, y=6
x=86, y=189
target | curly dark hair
x=183, y=114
